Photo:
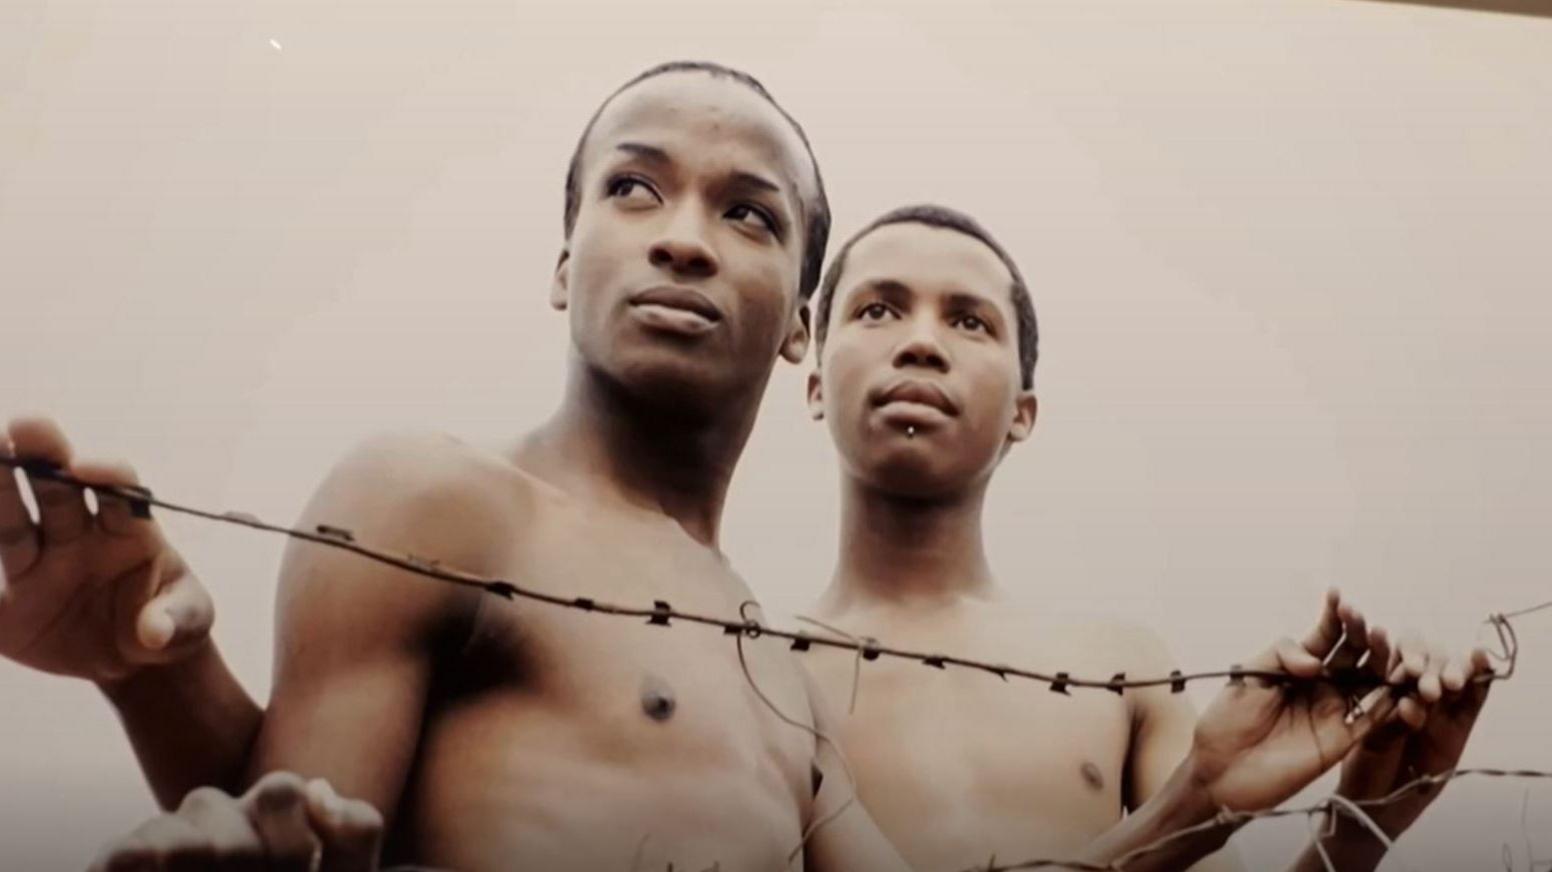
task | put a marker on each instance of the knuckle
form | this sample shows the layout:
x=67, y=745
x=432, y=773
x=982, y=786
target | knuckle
x=360, y=821
x=204, y=798
x=279, y=791
x=130, y=852
x=236, y=850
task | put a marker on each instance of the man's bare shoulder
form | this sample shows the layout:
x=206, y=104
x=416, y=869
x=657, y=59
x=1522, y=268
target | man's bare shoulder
x=412, y=494
x=430, y=489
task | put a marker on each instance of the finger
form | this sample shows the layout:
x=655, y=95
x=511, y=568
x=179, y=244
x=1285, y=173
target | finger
x=128, y=854
x=235, y=844
x=62, y=514
x=276, y=808
x=18, y=535
x=115, y=514
x=1474, y=696
x=177, y=845
x=1414, y=654
x=1430, y=687
x=1339, y=731
x=1479, y=665
x=132, y=590
x=350, y=830
x=178, y=616
x=1291, y=657
x=1354, y=638
x=1378, y=662
x=1328, y=628
x=1412, y=712
x=1456, y=671
x=1285, y=655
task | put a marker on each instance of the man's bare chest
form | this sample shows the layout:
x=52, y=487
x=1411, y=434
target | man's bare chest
x=625, y=690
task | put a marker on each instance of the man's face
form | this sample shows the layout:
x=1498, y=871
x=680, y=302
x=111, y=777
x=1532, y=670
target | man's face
x=681, y=273
x=919, y=376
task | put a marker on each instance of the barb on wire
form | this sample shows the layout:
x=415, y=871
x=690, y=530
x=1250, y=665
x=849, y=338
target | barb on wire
x=864, y=645
x=661, y=613
x=1224, y=818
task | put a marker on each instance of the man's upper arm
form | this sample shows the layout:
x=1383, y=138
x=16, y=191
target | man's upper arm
x=356, y=639
x=1164, y=724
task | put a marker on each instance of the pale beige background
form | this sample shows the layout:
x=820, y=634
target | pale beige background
x=1291, y=262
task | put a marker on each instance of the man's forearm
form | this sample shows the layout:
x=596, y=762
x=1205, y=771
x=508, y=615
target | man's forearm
x=191, y=724
x=1180, y=805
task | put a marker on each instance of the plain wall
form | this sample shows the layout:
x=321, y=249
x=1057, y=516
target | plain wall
x=1290, y=260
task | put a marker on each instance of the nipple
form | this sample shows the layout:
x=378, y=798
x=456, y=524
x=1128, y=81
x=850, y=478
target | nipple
x=1091, y=775
x=657, y=698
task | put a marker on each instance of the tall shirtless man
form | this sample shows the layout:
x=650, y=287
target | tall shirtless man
x=927, y=346
x=496, y=736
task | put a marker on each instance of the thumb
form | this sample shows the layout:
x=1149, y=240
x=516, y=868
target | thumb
x=350, y=830
x=176, y=617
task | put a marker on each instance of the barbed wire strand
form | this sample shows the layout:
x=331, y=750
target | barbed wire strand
x=661, y=613
x=1225, y=817
x=141, y=500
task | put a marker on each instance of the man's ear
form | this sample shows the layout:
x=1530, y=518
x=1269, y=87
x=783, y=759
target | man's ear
x=1024, y=409
x=815, y=396
x=796, y=344
x=560, y=286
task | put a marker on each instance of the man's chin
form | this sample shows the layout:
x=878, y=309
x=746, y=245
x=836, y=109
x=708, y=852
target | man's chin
x=912, y=475
x=679, y=385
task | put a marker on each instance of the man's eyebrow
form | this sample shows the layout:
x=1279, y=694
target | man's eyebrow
x=759, y=183
x=893, y=290
x=962, y=300
x=646, y=152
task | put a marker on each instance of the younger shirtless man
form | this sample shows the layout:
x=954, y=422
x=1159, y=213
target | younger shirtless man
x=927, y=347
x=495, y=735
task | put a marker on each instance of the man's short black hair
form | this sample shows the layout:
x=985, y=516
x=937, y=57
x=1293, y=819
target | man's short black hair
x=949, y=219
x=817, y=233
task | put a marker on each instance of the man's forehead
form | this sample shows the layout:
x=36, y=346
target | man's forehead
x=695, y=116
x=929, y=259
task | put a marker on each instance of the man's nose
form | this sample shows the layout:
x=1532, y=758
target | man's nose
x=682, y=248
x=922, y=349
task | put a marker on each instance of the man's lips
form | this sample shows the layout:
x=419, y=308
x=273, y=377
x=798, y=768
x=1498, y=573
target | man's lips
x=919, y=392
x=681, y=298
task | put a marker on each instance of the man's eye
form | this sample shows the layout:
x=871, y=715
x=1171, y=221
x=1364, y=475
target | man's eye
x=631, y=188
x=874, y=312
x=972, y=323
x=743, y=213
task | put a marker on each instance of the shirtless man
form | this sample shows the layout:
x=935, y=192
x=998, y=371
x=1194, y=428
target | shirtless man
x=927, y=345
x=495, y=735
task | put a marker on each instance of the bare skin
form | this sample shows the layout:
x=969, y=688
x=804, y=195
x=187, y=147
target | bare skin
x=494, y=735
x=919, y=383
x=994, y=768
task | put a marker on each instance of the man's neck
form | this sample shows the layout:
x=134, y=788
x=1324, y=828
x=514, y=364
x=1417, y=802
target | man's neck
x=606, y=445
x=909, y=551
